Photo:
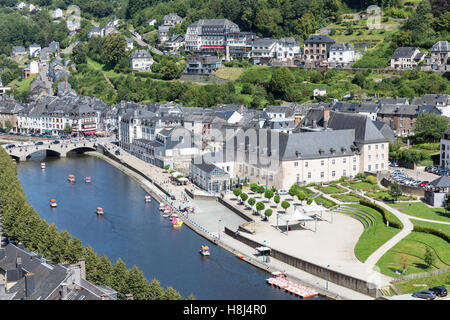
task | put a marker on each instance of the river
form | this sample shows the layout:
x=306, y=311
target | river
x=136, y=231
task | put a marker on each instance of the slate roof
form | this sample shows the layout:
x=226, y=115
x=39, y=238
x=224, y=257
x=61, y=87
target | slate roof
x=319, y=39
x=442, y=182
x=441, y=46
x=140, y=54
x=404, y=52
x=407, y=110
x=432, y=99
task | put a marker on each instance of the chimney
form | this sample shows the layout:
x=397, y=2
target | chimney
x=242, y=108
x=29, y=284
x=296, y=122
x=63, y=290
x=128, y=296
x=314, y=124
x=19, y=267
x=326, y=117
x=82, y=263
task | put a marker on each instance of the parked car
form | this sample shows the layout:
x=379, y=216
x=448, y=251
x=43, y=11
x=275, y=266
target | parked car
x=424, y=183
x=282, y=192
x=426, y=294
x=117, y=153
x=55, y=142
x=39, y=143
x=427, y=169
x=439, y=291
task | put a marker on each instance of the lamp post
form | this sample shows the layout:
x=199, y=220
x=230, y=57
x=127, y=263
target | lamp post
x=327, y=276
x=219, y=227
x=264, y=252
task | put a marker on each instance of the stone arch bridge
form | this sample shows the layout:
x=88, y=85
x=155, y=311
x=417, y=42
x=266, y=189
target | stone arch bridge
x=21, y=153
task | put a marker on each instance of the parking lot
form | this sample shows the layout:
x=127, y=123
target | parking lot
x=415, y=178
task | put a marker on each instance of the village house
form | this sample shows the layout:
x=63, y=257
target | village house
x=341, y=54
x=316, y=49
x=141, y=60
x=406, y=58
x=202, y=65
x=175, y=42
x=163, y=33
x=171, y=19
x=440, y=54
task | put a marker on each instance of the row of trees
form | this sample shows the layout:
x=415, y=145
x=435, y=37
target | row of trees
x=20, y=221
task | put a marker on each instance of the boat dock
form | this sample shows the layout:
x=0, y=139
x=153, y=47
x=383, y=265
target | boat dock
x=292, y=287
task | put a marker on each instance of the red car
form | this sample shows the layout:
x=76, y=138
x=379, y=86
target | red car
x=424, y=183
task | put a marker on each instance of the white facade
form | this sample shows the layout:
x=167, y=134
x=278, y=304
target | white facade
x=34, y=50
x=286, y=49
x=34, y=67
x=341, y=53
x=319, y=92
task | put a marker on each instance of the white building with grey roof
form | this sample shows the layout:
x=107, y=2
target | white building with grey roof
x=406, y=58
x=141, y=60
x=341, y=54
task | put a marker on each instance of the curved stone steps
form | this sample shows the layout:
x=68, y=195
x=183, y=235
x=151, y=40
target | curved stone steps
x=356, y=216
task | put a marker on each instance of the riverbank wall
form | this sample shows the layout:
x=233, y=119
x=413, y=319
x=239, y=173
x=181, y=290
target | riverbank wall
x=143, y=180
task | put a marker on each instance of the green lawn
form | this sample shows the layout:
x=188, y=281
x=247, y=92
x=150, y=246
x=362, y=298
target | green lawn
x=437, y=226
x=411, y=250
x=385, y=196
x=421, y=210
x=362, y=185
x=413, y=285
x=373, y=237
x=229, y=73
x=348, y=197
x=22, y=85
x=332, y=190
x=324, y=202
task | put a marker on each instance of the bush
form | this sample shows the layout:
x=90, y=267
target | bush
x=437, y=233
x=371, y=179
x=386, y=214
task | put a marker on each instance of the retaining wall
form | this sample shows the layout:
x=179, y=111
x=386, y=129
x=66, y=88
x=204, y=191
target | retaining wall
x=418, y=191
x=333, y=276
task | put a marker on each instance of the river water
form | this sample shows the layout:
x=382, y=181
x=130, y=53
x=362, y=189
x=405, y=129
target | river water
x=136, y=231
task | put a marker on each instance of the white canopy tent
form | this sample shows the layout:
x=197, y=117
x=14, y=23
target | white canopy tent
x=176, y=174
x=297, y=216
x=314, y=208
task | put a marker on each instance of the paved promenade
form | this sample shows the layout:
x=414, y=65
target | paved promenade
x=207, y=215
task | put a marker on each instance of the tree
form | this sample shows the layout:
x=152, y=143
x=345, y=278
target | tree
x=306, y=25
x=119, y=276
x=276, y=199
x=260, y=206
x=268, y=213
x=171, y=294
x=251, y=202
x=8, y=125
x=429, y=127
x=155, y=290
x=280, y=82
x=395, y=190
x=260, y=189
x=243, y=197
x=268, y=194
x=371, y=179
x=114, y=46
x=68, y=128
x=136, y=284
x=79, y=53
x=429, y=257
x=285, y=205
x=301, y=196
x=237, y=192
x=447, y=203
x=254, y=187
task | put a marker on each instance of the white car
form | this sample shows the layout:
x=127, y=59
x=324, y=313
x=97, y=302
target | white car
x=282, y=192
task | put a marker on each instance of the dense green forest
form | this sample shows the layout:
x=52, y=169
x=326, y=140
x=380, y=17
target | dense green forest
x=21, y=222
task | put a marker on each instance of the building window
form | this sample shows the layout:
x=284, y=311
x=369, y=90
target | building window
x=296, y=164
x=368, y=147
x=309, y=175
x=344, y=160
x=354, y=168
x=322, y=162
x=306, y=164
x=333, y=173
x=344, y=173
x=333, y=161
x=354, y=159
x=369, y=167
x=322, y=174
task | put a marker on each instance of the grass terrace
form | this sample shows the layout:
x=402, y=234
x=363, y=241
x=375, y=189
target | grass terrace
x=385, y=196
x=413, y=285
x=410, y=252
x=421, y=210
x=229, y=73
x=375, y=234
x=332, y=189
x=348, y=197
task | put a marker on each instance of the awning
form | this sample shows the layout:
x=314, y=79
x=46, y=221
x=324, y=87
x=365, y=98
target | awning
x=296, y=216
x=176, y=174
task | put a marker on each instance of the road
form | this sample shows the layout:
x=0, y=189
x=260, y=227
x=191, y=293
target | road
x=43, y=75
x=138, y=38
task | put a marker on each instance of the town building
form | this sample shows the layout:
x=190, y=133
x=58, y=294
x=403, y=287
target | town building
x=9, y=109
x=440, y=101
x=208, y=36
x=319, y=92
x=239, y=44
x=263, y=51
x=171, y=19
x=57, y=13
x=26, y=275
x=18, y=51
x=406, y=58
x=34, y=50
x=444, y=157
x=341, y=54
x=94, y=32
x=202, y=65
x=316, y=49
x=439, y=57
x=286, y=49
x=208, y=176
x=163, y=33
x=402, y=119
x=141, y=60
x=175, y=42
x=151, y=22
x=32, y=70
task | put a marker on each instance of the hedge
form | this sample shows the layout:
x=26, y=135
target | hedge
x=385, y=213
x=437, y=233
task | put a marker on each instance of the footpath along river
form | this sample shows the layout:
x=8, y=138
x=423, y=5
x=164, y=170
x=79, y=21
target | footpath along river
x=135, y=231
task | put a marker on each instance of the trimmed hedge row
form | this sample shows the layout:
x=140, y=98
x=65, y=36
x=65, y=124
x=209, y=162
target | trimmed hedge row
x=385, y=213
x=437, y=233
